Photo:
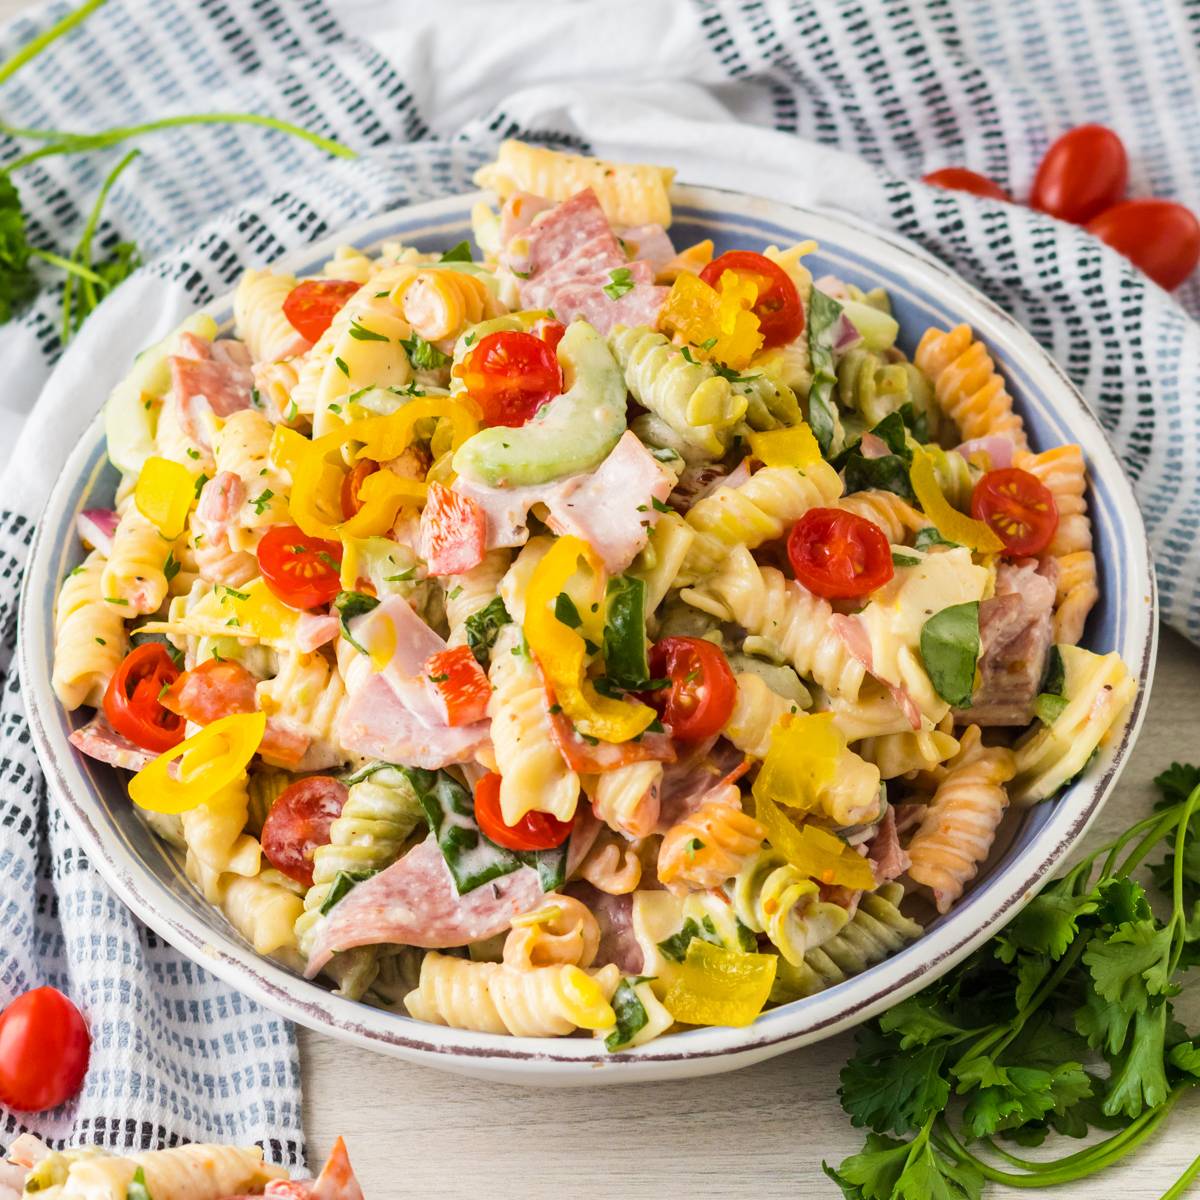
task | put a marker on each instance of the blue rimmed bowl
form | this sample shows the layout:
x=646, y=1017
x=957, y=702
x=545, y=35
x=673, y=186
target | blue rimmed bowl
x=148, y=876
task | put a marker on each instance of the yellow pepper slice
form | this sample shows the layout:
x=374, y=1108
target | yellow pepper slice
x=561, y=653
x=796, y=447
x=801, y=760
x=208, y=761
x=721, y=316
x=287, y=447
x=715, y=986
x=318, y=471
x=164, y=494
x=947, y=520
x=813, y=851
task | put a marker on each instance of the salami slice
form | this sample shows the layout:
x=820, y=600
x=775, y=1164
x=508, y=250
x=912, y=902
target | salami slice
x=414, y=903
x=614, y=915
x=576, y=222
x=299, y=822
x=99, y=740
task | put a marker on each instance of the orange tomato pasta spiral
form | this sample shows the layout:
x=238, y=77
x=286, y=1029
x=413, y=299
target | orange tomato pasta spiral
x=711, y=845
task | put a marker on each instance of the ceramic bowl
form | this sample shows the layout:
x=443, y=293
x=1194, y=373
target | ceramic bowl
x=149, y=878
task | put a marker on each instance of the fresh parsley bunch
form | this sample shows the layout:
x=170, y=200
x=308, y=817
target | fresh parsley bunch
x=1062, y=1023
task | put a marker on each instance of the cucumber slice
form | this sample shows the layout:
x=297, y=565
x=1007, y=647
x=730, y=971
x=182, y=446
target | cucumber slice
x=574, y=432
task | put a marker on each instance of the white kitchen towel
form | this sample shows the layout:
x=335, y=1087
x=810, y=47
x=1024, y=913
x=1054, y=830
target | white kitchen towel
x=843, y=104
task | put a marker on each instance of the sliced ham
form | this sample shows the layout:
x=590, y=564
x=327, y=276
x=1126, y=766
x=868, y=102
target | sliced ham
x=649, y=242
x=99, y=740
x=414, y=903
x=314, y=630
x=614, y=915
x=611, y=507
x=572, y=253
x=856, y=639
x=209, y=378
x=516, y=215
x=1015, y=634
x=888, y=859
x=376, y=722
x=220, y=502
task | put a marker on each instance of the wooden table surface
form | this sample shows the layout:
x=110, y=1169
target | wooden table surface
x=761, y=1132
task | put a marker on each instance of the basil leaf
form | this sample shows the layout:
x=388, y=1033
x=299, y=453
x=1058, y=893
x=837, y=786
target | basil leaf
x=631, y=1014
x=900, y=559
x=343, y=881
x=916, y=421
x=889, y=472
x=1048, y=707
x=459, y=253
x=566, y=612
x=929, y=536
x=823, y=312
x=349, y=605
x=137, y=1189
x=675, y=947
x=1055, y=680
x=551, y=865
x=950, y=649
x=625, y=657
x=423, y=355
x=449, y=808
x=483, y=627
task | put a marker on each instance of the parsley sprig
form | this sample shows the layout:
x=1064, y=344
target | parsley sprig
x=1063, y=1023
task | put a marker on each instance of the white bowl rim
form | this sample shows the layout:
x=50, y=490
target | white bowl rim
x=780, y=1029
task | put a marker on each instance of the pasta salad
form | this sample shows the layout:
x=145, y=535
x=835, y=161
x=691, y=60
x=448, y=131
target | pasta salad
x=603, y=636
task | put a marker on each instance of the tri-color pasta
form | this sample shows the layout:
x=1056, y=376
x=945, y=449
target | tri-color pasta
x=569, y=633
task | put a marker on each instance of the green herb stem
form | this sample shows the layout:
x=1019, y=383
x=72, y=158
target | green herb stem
x=65, y=264
x=1182, y=1184
x=38, y=44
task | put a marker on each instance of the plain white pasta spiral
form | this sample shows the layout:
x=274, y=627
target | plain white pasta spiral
x=473, y=590
x=560, y=931
x=216, y=838
x=89, y=636
x=756, y=711
x=133, y=575
x=627, y=799
x=258, y=316
x=496, y=998
x=769, y=605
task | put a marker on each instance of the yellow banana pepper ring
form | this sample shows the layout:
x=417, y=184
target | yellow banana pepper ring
x=947, y=520
x=801, y=761
x=813, y=851
x=715, y=986
x=562, y=655
x=318, y=471
x=208, y=761
x=164, y=494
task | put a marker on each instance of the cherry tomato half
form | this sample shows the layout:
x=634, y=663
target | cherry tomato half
x=534, y=831
x=839, y=555
x=550, y=331
x=1019, y=509
x=131, y=700
x=461, y=684
x=299, y=822
x=1158, y=236
x=510, y=375
x=304, y=572
x=311, y=306
x=778, y=308
x=700, y=697
x=1083, y=173
x=959, y=179
x=352, y=482
x=44, y=1049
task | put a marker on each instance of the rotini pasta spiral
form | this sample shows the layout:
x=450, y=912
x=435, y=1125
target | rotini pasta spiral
x=133, y=575
x=258, y=316
x=898, y=754
x=263, y=908
x=894, y=515
x=613, y=865
x=535, y=777
x=954, y=476
x=770, y=896
x=241, y=446
x=561, y=931
x=627, y=799
x=877, y=930
x=968, y=387
x=961, y=821
x=439, y=303
x=306, y=697
x=660, y=561
x=711, y=845
x=868, y=385
x=1063, y=472
x=89, y=636
x=495, y=998
x=216, y=838
x=756, y=711
x=770, y=606
x=697, y=403
x=759, y=510
x=472, y=590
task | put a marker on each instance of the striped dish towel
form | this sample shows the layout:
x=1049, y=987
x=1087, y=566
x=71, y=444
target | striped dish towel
x=843, y=105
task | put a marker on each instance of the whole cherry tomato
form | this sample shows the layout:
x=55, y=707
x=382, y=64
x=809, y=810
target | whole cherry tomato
x=778, y=308
x=700, y=696
x=1082, y=174
x=510, y=375
x=534, y=831
x=132, y=699
x=959, y=179
x=1158, y=236
x=311, y=305
x=303, y=571
x=1019, y=509
x=839, y=555
x=299, y=822
x=44, y=1049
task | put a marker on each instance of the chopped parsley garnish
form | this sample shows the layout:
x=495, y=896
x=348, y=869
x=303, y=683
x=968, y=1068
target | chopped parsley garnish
x=620, y=281
x=360, y=333
x=341, y=366
x=423, y=355
x=261, y=501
